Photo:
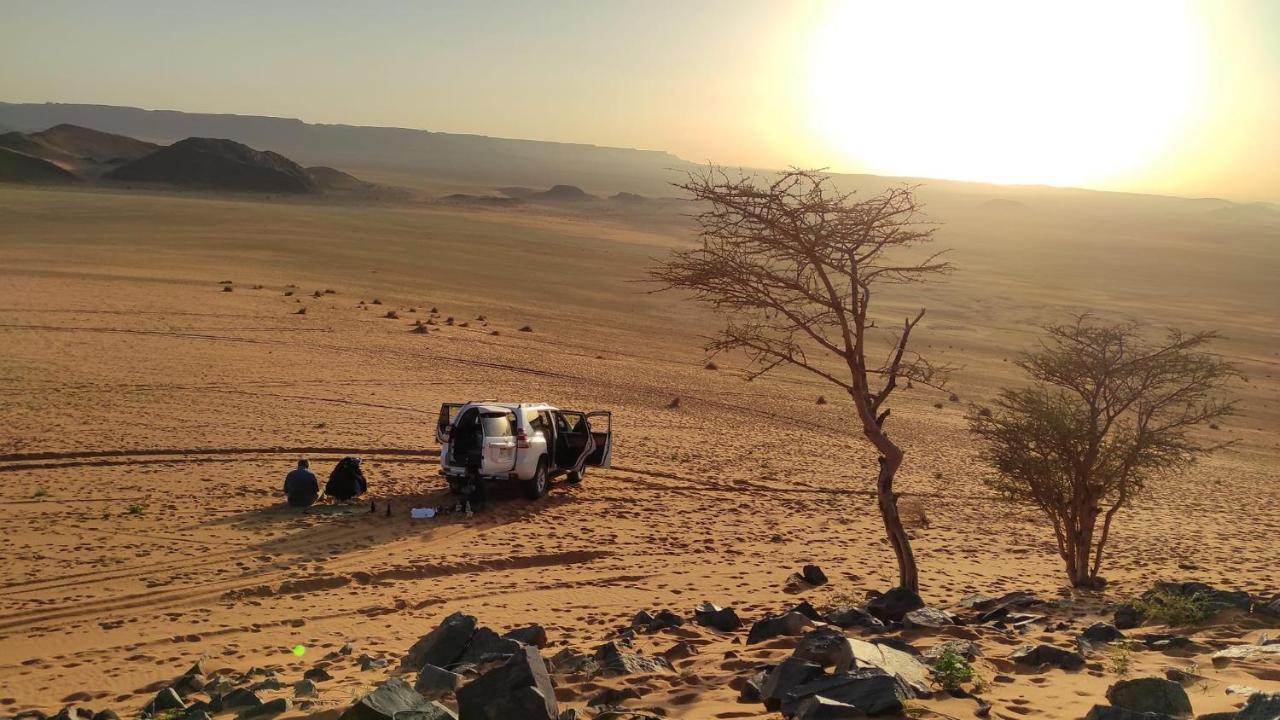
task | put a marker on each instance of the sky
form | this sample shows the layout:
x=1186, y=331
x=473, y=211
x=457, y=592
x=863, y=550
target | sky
x=1164, y=96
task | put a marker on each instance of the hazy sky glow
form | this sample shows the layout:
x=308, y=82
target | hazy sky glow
x=1172, y=96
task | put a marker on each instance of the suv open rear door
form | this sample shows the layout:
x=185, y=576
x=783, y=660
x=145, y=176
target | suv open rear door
x=601, y=424
x=448, y=413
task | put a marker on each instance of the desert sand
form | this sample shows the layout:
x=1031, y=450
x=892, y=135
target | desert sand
x=147, y=417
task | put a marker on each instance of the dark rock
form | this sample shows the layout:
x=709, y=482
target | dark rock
x=613, y=696
x=911, y=673
x=850, y=616
x=894, y=605
x=444, y=645
x=717, y=618
x=435, y=682
x=166, y=699
x=487, y=646
x=1150, y=695
x=519, y=689
x=783, y=679
x=641, y=619
x=750, y=692
x=1038, y=656
x=665, y=619
x=1101, y=632
x=1272, y=608
x=792, y=623
x=614, y=660
x=1129, y=616
x=1163, y=641
x=927, y=617
x=267, y=709
x=317, y=674
x=813, y=575
x=106, y=715
x=871, y=691
x=1217, y=599
x=985, y=603
x=680, y=651
x=1262, y=706
x=368, y=663
x=393, y=698
x=346, y=649
x=271, y=683
x=188, y=684
x=824, y=646
x=305, y=689
x=1183, y=677
x=199, y=667
x=1106, y=712
x=240, y=698
x=817, y=707
x=571, y=662
x=966, y=649
x=804, y=608
x=534, y=635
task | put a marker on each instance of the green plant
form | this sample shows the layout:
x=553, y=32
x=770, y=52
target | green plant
x=1121, y=658
x=40, y=492
x=1174, y=609
x=951, y=671
x=136, y=509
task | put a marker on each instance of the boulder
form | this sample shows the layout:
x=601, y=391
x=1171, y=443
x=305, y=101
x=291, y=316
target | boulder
x=1038, y=656
x=966, y=649
x=1150, y=695
x=871, y=691
x=1272, y=608
x=1129, y=616
x=391, y=699
x=436, y=682
x=487, y=646
x=663, y=620
x=571, y=662
x=444, y=645
x=680, y=651
x=519, y=689
x=902, y=666
x=817, y=707
x=927, y=617
x=716, y=617
x=986, y=603
x=786, y=677
x=894, y=605
x=305, y=689
x=1106, y=712
x=613, y=660
x=188, y=684
x=850, y=616
x=824, y=646
x=1262, y=706
x=317, y=674
x=1217, y=599
x=106, y=715
x=166, y=699
x=791, y=623
x=368, y=662
x=240, y=698
x=534, y=635
x=267, y=709
x=1240, y=652
x=813, y=575
x=1101, y=632
x=806, y=609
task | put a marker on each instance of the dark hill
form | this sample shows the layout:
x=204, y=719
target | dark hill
x=563, y=193
x=15, y=167
x=23, y=143
x=94, y=145
x=334, y=179
x=628, y=198
x=214, y=164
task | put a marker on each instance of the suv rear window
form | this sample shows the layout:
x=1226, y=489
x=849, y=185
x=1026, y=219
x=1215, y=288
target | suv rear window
x=498, y=424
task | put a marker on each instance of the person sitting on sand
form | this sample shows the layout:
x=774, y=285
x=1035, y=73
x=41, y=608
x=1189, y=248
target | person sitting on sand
x=346, y=481
x=301, y=486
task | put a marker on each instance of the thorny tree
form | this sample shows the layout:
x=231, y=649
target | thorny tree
x=793, y=265
x=1106, y=412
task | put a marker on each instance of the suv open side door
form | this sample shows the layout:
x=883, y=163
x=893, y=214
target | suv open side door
x=448, y=413
x=600, y=423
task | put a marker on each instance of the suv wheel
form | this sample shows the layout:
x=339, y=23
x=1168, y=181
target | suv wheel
x=575, y=476
x=536, y=486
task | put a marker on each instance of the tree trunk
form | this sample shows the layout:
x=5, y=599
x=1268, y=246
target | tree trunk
x=1080, y=545
x=908, y=576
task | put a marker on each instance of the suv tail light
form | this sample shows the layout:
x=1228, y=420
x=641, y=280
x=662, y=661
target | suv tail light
x=522, y=440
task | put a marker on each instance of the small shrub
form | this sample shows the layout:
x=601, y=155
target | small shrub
x=984, y=412
x=674, y=404
x=937, y=406
x=953, y=397
x=392, y=315
x=135, y=509
x=301, y=311
x=1213, y=426
x=710, y=366
x=951, y=671
x=288, y=293
x=495, y=332
x=322, y=424
x=376, y=301
x=822, y=400
x=40, y=492
x=526, y=328
x=227, y=288
x=1121, y=658
x=1174, y=609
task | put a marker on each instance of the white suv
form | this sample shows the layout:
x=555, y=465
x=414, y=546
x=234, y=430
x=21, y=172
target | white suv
x=531, y=443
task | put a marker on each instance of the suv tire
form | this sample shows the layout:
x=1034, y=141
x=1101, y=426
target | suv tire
x=575, y=477
x=536, y=486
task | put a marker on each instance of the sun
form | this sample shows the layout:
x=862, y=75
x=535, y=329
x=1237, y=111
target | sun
x=1009, y=92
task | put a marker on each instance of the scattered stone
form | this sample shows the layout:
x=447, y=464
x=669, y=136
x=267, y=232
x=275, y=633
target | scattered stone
x=188, y=684
x=267, y=709
x=927, y=617
x=305, y=689
x=106, y=715
x=813, y=575
x=1272, y=608
x=894, y=605
x=436, y=682
x=1150, y=695
x=850, y=616
x=317, y=674
x=1183, y=677
x=368, y=663
x=271, y=683
x=1240, y=652
x=824, y=646
x=966, y=649
x=783, y=679
x=1038, y=656
x=680, y=651
x=716, y=617
x=166, y=699
x=1262, y=706
x=487, y=646
x=444, y=645
x=1242, y=690
x=1101, y=632
x=534, y=635
x=1129, y=616
x=791, y=623
x=871, y=691
x=394, y=699
x=902, y=666
x=519, y=689
x=1161, y=641
x=241, y=698
x=1106, y=712
x=614, y=661
x=804, y=608
x=346, y=649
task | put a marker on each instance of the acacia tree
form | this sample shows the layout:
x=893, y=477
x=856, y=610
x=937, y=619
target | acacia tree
x=1107, y=411
x=792, y=265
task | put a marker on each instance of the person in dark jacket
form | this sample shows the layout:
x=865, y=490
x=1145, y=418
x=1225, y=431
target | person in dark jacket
x=347, y=480
x=301, y=486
